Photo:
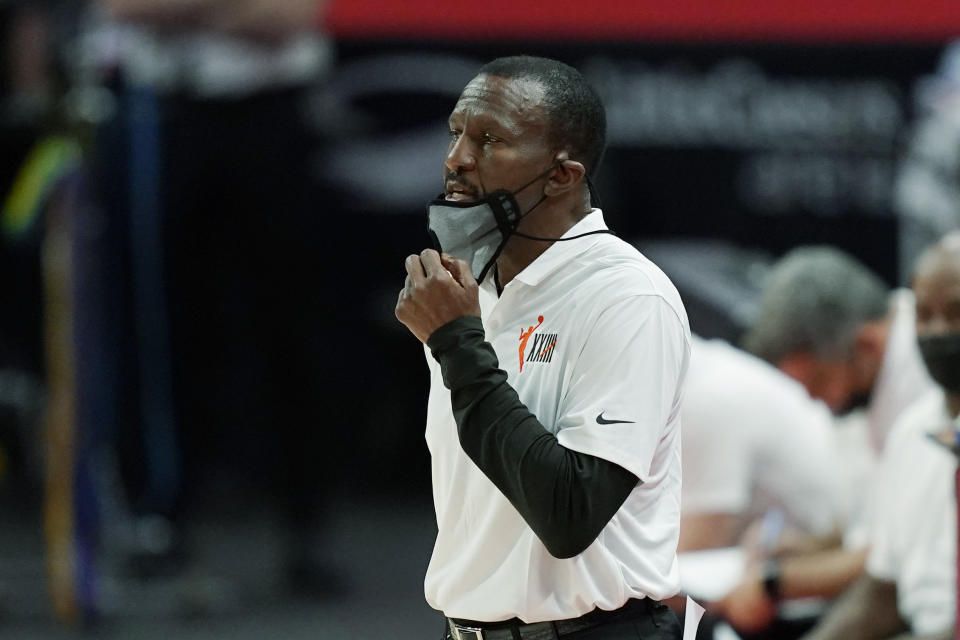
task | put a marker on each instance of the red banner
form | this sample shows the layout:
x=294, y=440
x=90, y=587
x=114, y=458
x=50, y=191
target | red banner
x=696, y=20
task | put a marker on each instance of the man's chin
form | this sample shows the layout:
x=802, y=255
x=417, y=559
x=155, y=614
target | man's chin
x=856, y=402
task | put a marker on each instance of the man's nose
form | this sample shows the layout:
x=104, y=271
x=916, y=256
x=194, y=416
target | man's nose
x=460, y=156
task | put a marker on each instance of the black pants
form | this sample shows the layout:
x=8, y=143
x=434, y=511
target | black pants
x=655, y=622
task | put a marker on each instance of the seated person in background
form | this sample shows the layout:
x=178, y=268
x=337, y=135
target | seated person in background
x=828, y=322
x=910, y=584
x=752, y=439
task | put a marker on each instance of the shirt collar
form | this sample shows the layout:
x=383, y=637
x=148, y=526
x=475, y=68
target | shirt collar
x=560, y=253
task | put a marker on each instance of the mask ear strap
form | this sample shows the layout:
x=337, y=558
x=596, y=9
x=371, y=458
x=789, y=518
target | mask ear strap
x=547, y=171
x=506, y=211
x=527, y=212
x=594, y=194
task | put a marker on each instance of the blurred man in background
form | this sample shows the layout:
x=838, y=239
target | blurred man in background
x=828, y=322
x=909, y=590
x=833, y=325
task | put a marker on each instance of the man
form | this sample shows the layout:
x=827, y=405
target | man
x=556, y=450
x=910, y=584
x=830, y=323
x=834, y=326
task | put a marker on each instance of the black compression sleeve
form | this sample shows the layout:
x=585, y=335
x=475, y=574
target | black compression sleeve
x=565, y=496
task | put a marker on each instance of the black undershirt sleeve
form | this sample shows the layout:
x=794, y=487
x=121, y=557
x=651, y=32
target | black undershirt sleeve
x=565, y=496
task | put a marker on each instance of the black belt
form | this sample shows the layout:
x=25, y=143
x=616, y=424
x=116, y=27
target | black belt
x=515, y=628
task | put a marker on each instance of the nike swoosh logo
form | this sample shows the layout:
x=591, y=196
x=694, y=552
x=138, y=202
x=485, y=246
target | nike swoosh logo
x=602, y=420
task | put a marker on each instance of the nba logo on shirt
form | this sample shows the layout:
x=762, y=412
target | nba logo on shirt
x=542, y=347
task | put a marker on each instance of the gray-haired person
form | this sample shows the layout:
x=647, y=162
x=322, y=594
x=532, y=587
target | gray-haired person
x=828, y=321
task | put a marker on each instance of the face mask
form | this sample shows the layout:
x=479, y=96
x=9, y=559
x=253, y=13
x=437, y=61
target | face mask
x=941, y=354
x=473, y=231
x=477, y=231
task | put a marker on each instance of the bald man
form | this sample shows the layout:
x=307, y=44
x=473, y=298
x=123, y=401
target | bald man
x=909, y=590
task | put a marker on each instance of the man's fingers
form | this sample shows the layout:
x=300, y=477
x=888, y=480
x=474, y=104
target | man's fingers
x=432, y=265
x=414, y=269
x=459, y=269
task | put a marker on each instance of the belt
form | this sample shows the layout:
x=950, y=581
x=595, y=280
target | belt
x=515, y=628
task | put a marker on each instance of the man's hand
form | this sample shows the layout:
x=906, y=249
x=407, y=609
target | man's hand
x=747, y=608
x=438, y=289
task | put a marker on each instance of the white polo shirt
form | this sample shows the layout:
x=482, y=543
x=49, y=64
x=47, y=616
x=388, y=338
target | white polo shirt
x=914, y=535
x=902, y=377
x=862, y=437
x=595, y=340
x=753, y=439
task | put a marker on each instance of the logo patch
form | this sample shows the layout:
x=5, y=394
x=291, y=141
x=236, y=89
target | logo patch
x=542, y=347
x=602, y=420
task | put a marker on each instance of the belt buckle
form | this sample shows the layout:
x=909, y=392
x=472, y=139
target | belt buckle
x=465, y=633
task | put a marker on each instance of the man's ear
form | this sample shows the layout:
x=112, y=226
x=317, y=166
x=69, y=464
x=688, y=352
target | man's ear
x=568, y=174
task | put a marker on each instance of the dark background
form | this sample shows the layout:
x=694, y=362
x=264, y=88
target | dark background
x=725, y=150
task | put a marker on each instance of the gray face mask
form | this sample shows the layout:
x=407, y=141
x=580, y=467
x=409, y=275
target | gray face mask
x=477, y=231
x=474, y=231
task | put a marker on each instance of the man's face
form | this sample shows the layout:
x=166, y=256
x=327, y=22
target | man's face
x=843, y=383
x=832, y=381
x=498, y=140
x=937, y=292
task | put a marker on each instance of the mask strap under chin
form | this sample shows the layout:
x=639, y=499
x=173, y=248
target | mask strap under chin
x=526, y=213
x=579, y=235
x=514, y=231
x=516, y=223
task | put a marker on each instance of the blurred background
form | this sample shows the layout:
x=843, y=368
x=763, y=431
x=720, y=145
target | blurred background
x=210, y=421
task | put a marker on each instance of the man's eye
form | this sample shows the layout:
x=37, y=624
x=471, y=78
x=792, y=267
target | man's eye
x=489, y=139
x=454, y=134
